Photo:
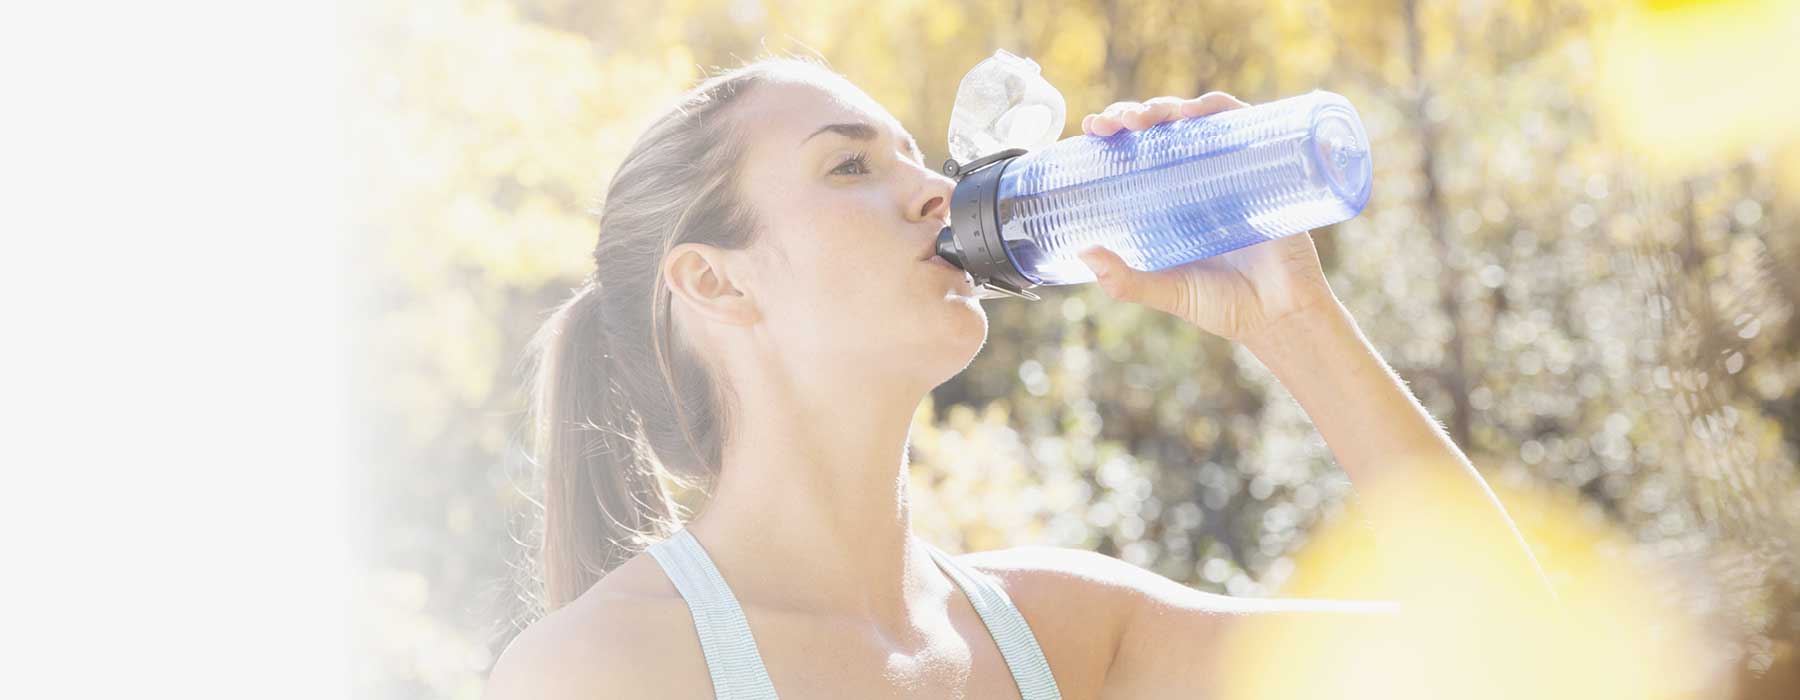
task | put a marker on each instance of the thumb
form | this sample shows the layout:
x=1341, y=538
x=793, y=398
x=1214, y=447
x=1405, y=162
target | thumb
x=1119, y=280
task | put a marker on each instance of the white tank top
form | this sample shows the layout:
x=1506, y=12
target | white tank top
x=737, y=668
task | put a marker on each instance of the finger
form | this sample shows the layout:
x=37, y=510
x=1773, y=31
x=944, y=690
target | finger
x=1119, y=280
x=1119, y=107
x=1110, y=120
x=1173, y=103
x=1103, y=124
x=1210, y=103
x=1118, y=110
x=1154, y=111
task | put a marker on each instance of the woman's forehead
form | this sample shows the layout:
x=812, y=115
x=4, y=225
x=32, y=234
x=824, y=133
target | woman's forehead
x=793, y=110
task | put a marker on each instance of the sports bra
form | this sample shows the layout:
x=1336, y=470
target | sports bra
x=737, y=668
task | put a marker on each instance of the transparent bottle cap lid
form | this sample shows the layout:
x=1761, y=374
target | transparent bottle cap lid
x=1026, y=123
x=1004, y=102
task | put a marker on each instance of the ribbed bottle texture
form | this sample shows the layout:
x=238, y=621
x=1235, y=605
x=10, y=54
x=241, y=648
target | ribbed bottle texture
x=1185, y=190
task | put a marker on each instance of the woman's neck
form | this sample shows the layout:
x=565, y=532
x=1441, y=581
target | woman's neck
x=811, y=514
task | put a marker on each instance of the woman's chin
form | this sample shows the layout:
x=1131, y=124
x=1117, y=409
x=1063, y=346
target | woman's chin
x=971, y=326
x=968, y=309
x=953, y=332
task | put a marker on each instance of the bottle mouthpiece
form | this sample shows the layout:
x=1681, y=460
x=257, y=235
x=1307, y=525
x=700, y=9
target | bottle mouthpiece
x=947, y=248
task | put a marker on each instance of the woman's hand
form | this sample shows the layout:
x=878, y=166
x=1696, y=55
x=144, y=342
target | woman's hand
x=1237, y=295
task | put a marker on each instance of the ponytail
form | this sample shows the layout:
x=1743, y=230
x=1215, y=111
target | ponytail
x=604, y=497
x=623, y=412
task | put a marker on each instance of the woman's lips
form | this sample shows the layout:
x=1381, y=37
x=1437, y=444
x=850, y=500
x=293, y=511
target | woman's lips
x=938, y=260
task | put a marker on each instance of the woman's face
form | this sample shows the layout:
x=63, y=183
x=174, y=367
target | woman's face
x=850, y=212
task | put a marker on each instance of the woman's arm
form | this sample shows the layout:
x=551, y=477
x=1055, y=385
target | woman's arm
x=1443, y=539
x=1273, y=298
x=1385, y=440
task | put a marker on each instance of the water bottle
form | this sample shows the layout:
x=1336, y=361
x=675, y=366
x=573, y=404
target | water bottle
x=1167, y=195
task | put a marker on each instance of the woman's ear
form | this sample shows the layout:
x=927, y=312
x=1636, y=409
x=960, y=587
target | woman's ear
x=702, y=278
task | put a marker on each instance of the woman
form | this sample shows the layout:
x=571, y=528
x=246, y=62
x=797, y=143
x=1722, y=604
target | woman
x=765, y=317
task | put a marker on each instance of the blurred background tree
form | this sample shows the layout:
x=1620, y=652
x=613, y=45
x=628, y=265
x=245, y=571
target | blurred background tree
x=1594, y=317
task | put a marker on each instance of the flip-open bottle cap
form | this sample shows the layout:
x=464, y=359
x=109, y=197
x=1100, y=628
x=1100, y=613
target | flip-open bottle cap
x=1004, y=102
x=1004, y=108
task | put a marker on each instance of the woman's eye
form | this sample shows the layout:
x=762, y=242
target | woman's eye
x=861, y=161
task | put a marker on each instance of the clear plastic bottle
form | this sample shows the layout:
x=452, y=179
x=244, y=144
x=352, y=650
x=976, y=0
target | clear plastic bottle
x=1167, y=195
x=1185, y=190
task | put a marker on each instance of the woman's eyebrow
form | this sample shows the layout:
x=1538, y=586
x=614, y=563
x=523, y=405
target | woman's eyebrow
x=864, y=132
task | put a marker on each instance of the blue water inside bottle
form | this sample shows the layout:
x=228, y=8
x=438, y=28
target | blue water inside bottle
x=1184, y=190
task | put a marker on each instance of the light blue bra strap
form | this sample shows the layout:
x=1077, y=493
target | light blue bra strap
x=1017, y=644
x=731, y=655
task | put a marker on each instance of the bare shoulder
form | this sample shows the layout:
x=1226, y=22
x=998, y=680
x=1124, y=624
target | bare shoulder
x=1077, y=603
x=1041, y=569
x=1058, y=576
x=1054, y=581
x=1163, y=638
x=1096, y=615
x=629, y=636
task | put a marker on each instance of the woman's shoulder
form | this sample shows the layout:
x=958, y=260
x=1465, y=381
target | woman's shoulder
x=630, y=635
x=1060, y=576
x=1076, y=602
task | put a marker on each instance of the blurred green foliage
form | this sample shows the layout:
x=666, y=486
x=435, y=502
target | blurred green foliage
x=1582, y=319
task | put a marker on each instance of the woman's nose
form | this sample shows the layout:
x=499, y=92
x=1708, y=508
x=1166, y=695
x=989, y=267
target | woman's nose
x=932, y=202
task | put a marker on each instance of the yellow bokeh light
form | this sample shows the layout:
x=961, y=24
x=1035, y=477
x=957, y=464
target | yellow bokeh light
x=1689, y=84
x=1474, y=625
